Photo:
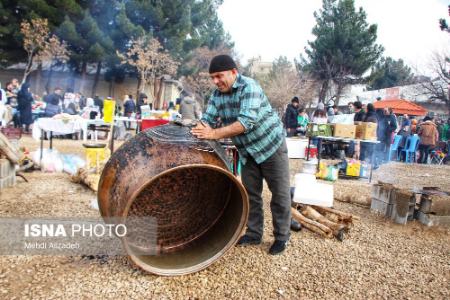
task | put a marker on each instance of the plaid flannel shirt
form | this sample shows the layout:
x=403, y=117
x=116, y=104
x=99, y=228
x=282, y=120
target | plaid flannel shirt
x=247, y=104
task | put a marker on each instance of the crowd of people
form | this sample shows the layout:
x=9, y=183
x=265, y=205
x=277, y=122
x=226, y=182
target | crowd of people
x=431, y=133
x=20, y=108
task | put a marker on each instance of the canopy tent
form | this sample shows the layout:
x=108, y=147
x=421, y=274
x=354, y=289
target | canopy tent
x=401, y=106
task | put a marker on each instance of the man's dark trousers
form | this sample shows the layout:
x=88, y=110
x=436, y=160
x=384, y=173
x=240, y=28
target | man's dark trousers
x=275, y=170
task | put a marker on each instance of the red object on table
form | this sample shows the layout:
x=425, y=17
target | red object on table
x=152, y=123
x=312, y=152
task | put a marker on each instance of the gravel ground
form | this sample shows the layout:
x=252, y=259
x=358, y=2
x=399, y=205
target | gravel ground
x=377, y=259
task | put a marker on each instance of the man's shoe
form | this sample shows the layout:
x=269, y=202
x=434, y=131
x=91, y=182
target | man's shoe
x=248, y=240
x=295, y=226
x=277, y=247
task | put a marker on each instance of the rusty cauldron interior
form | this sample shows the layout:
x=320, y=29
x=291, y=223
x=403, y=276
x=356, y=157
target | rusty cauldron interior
x=198, y=207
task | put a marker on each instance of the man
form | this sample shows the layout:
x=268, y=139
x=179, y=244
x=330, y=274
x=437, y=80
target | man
x=129, y=108
x=53, y=100
x=429, y=136
x=257, y=132
x=290, y=117
x=359, y=112
x=351, y=108
x=16, y=84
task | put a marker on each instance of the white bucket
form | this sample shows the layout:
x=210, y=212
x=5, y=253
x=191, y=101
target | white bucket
x=296, y=147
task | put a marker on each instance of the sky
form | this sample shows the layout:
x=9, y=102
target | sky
x=408, y=29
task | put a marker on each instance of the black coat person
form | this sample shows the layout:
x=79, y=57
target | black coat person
x=25, y=100
x=290, y=117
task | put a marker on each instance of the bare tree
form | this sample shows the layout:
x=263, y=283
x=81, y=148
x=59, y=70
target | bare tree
x=198, y=82
x=55, y=52
x=437, y=88
x=285, y=82
x=35, y=34
x=152, y=63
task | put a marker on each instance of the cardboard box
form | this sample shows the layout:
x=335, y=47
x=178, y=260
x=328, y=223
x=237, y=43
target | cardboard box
x=345, y=131
x=366, y=131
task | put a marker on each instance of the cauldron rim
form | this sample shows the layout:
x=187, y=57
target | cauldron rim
x=209, y=261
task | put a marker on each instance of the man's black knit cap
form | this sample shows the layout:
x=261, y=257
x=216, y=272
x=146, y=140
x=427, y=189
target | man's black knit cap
x=221, y=63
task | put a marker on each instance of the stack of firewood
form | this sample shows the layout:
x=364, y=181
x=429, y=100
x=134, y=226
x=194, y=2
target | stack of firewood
x=327, y=222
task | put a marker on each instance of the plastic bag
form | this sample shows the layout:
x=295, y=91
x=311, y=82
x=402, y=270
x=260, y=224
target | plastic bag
x=72, y=163
x=51, y=160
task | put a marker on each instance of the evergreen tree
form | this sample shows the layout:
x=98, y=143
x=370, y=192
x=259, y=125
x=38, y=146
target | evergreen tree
x=13, y=12
x=344, y=48
x=388, y=73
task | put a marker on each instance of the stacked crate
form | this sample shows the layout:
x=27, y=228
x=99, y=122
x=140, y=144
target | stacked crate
x=7, y=173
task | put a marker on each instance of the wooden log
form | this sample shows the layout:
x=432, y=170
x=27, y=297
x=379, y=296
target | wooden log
x=342, y=216
x=311, y=213
x=311, y=224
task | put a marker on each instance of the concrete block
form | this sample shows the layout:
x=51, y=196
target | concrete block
x=403, y=202
x=436, y=204
x=433, y=220
x=381, y=207
x=8, y=181
x=6, y=168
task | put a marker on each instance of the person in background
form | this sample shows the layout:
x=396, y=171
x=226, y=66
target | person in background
x=25, y=101
x=2, y=95
x=291, y=117
x=302, y=121
x=359, y=113
x=413, y=126
x=371, y=115
x=129, y=108
x=142, y=100
x=5, y=115
x=16, y=85
x=52, y=106
x=190, y=109
x=81, y=101
x=386, y=127
x=333, y=111
x=99, y=103
x=429, y=135
x=367, y=149
x=11, y=100
x=258, y=134
x=90, y=111
x=444, y=131
x=404, y=132
x=319, y=115
x=351, y=108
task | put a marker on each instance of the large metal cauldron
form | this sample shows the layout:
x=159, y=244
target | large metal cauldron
x=184, y=184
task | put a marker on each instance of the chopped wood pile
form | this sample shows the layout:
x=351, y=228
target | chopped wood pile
x=327, y=222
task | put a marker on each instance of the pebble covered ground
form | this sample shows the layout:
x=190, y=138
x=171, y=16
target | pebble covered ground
x=377, y=259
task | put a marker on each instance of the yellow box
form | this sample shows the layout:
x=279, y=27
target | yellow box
x=344, y=130
x=109, y=107
x=353, y=168
x=366, y=131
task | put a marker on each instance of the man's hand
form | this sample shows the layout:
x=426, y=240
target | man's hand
x=204, y=131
